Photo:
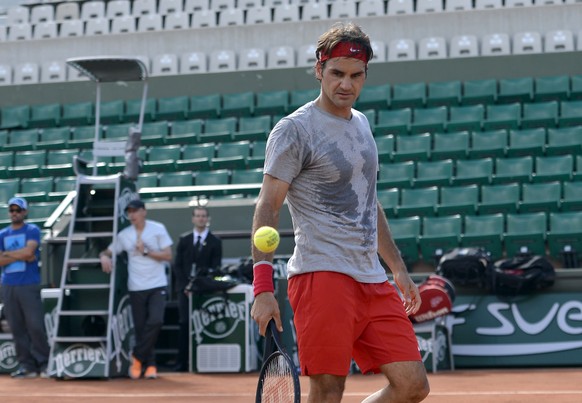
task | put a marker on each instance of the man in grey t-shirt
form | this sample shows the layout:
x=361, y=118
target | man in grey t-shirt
x=323, y=159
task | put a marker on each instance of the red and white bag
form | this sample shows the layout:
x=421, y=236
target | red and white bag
x=437, y=294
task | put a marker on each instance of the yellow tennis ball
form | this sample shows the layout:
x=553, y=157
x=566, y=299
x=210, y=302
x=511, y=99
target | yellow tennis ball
x=266, y=239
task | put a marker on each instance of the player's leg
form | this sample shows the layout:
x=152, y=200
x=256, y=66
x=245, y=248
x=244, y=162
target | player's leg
x=326, y=388
x=407, y=383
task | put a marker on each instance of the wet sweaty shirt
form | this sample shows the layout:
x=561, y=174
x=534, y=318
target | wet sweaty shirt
x=330, y=164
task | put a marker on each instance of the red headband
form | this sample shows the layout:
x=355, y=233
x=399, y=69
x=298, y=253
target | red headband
x=346, y=49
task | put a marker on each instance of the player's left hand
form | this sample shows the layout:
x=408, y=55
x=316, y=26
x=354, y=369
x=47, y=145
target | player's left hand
x=409, y=290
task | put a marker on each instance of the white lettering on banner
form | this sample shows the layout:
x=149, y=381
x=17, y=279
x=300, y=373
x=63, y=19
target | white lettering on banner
x=8, y=355
x=125, y=197
x=78, y=360
x=510, y=319
x=121, y=325
x=217, y=318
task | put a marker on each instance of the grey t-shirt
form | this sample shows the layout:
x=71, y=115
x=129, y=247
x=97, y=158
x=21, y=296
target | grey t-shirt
x=331, y=165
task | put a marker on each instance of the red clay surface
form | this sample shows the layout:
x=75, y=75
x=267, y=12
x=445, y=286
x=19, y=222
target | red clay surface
x=563, y=385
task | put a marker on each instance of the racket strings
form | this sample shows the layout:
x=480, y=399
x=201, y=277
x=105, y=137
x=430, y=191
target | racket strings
x=278, y=385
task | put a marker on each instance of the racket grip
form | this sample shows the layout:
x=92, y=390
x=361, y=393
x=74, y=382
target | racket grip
x=263, y=277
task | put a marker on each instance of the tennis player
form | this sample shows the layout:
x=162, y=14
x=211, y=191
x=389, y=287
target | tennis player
x=324, y=160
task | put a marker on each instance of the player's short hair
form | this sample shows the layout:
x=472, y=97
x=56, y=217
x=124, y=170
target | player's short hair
x=343, y=32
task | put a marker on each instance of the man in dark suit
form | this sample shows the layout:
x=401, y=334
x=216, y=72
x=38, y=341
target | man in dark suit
x=198, y=251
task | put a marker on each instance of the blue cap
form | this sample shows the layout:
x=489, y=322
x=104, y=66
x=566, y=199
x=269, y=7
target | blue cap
x=18, y=201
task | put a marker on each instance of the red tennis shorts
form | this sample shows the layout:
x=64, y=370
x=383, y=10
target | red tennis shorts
x=337, y=318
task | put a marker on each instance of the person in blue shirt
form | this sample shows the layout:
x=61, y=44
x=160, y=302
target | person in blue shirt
x=19, y=257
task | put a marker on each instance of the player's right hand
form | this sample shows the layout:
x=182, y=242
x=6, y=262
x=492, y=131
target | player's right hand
x=264, y=309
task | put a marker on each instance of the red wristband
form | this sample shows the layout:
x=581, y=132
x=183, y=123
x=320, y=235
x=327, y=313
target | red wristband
x=263, y=277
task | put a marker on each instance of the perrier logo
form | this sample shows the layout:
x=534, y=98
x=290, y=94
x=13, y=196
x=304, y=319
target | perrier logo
x=217, y=318
x=8, y=356
x=78, y=360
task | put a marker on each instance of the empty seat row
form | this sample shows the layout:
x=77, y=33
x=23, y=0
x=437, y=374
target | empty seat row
x=501, y=234
x=480, y=171
x=42, y=189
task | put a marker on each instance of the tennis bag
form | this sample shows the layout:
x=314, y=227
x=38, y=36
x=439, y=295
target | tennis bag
x=466, y=266
x=437, y=294
x=521, y=275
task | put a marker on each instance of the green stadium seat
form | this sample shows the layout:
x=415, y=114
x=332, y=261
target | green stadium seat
x=409, y=95
x=55, y=138
x=565, y=236
x=543, y=114
x=571, y=114
x=556, y=168
x=552, y=88
x=231, y=155
x=45, y=115
x=374, y=97
x=389, y=199
x=479, y=92
x=184, y=131
x=118, y=132
x=83, y=137
x=478, y=171
x=577, y=175
x=3, y=138
x=301, y=97
x=420, y=202
x=22, y=140
x=526, y=233
x=62, y=186
x=576, y=87
x=526, y=142
x=405, y=232
x=515, y=90
x=488, y=144
x=572, y=199
x=447, y=93
x=458, y=200
x=196, y=157
x=253, y=128
x=433, y=173
x=59, y=163
x=247, y=176
x=14, y=117
x=205, y=106
x=393, y=121
x=147, y=180
x=112, y=112
x=133, y=108
x=27, y=164
x=77, y=114
x=162, y=159
x=450, y=145
x=466, y=118
x=213, y=178
x=218, y=130
x=502, y=117
x=257, y=158
x=414, y=147
x=172, y=108
x=566, y=140
x=439, y=235
x=540, y=197
x=397, y=174
x=183, y=178
x=502, y=198
x=272, y=103
x=8, y=188
x=35, y=189
x=154, y=133
x=385, y=145
x=429, y=120
x=239, y=104
x=519, y=169
x=38, y=213
x=371, y=116
x=485, y=231
x=6, y=160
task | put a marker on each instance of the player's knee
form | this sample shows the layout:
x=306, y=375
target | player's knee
x=418, y=390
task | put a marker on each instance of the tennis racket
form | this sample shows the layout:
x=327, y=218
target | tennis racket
x=278, y=381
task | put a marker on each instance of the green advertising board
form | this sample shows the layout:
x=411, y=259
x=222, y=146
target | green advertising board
x=536, y=330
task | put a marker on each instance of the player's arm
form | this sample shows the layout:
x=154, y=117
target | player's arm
x=269, y=203
x=391, y=255
x=106, y=262
x=162, y=255
x=28, y=253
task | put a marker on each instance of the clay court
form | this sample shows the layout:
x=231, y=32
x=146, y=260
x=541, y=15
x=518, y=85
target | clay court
x=475, y=386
